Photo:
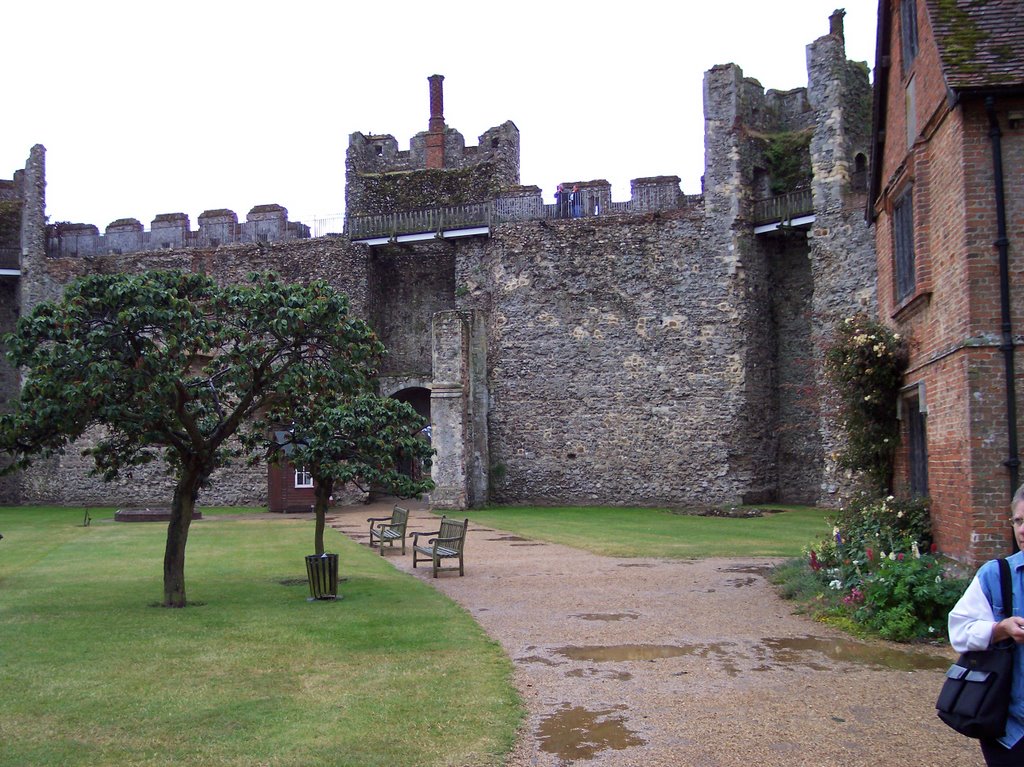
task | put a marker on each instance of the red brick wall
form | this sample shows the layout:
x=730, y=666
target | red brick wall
x=953, y=320
x=282, y=493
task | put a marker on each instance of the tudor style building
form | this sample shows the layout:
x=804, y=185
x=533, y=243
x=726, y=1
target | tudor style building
x=946, y=197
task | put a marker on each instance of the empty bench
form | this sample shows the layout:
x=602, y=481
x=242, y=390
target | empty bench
x=449, y=543
x=389, y=529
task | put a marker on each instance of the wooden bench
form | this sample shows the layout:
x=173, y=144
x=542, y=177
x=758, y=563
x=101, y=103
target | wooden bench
x=389, y=529
x=448, y=544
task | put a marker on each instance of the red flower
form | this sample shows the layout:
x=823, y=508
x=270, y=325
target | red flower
x=815, y=565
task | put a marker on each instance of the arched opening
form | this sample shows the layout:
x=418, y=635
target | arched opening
x=859, y=182
x=419, y=398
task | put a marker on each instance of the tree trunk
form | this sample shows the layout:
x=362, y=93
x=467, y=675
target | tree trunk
x=322, y=492
x=185, y=493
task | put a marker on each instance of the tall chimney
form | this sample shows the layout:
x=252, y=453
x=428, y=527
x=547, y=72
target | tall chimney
x=436, y=127
x=835, y=24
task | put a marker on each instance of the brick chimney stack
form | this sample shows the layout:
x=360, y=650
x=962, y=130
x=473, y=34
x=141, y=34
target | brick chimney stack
x=436, y=127
x=835, y=24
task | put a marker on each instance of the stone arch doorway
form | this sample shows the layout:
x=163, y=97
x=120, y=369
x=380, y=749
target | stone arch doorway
x=419, y=398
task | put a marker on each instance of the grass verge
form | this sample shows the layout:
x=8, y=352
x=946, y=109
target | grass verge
x=631, y=532
x=92, y=674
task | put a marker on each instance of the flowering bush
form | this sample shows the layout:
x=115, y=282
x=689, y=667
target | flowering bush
x=907, y=598
x=865, y=365
x=875, y=569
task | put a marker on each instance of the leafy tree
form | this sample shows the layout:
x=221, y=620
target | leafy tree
x=173, y=366
x=357, y=439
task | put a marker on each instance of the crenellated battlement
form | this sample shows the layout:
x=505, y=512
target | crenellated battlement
x=264, y=223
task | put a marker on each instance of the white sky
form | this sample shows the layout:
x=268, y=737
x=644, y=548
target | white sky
x=148, y=108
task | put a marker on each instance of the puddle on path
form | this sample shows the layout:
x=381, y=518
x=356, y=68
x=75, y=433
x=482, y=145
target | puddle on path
x=509, y=538
x=526, y=544
x=762, y=570
x=605, y=616
x=815, y=653
x=801, y=651
x=624, y=652
x=575, y=733
x=618, y=676
x=537, y=659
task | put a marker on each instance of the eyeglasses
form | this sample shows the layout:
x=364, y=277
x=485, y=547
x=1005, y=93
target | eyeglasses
x=1017, y=521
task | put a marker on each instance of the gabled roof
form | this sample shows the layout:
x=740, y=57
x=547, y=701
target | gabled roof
x=980, y=42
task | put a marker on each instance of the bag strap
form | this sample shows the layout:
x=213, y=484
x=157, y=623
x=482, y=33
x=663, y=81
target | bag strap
x=1006, y=586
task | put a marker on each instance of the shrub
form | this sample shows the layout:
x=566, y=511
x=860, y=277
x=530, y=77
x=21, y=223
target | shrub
x=865, y=365
x=908, y=597
x=872, y=571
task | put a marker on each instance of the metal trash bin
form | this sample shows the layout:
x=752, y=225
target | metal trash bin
x=322, y=570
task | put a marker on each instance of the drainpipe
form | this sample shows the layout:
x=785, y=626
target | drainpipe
x=1002, y=242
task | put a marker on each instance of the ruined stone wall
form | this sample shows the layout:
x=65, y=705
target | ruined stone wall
x=841, y=241
x=615, y=364
x=799, y=451
x=407, y=287
x=379, y=178
x=65, y=480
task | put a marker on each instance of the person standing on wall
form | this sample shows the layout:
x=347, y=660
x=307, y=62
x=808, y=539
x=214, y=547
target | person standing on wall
x=973, y=626
x=577, y=202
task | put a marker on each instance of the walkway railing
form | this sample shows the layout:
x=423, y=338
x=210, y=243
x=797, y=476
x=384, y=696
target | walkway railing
x=10, y=258
x=416, y=221
x=481, y=215
x=783, y=207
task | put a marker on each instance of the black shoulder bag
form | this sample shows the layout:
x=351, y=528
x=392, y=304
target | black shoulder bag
x=976, y=693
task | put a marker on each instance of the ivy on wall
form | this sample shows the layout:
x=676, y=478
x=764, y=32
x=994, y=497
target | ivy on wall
x=865, y=366
x=787, y=159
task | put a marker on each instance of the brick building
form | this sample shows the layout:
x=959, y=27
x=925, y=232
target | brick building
x=946, y=198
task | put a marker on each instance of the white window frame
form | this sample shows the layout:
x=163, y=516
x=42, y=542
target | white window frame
x=302, y=477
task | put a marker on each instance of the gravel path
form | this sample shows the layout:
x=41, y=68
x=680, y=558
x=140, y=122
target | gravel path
x=664, y=662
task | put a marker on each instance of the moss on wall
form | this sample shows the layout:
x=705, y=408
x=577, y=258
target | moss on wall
x=411, y=190
x=788, y=159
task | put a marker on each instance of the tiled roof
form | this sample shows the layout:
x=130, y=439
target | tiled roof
x=981, y=42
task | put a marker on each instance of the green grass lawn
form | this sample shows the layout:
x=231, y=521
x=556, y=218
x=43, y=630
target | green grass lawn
x=624, y=532
x=92, y=674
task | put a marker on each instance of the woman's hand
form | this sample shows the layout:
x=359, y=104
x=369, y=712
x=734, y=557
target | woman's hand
x=1009, y=628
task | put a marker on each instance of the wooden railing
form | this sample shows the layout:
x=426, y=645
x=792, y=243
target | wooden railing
x=10, y=258
x=783, y=207
x=418, y=221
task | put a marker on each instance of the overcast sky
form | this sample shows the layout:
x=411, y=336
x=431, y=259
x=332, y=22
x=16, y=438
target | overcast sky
x=148, y=108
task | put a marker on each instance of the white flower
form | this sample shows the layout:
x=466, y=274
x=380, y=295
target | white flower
x=835, y=584
x=916, y=551
x=899, y=515
x=938, y=579
x=892, y=556
x=881, y=555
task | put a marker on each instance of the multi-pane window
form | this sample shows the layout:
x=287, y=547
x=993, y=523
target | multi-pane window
x=908, y=32
x=303, y=478
x=903, y=245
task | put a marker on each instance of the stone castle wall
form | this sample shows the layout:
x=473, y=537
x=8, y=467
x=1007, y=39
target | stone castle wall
x=655, y=352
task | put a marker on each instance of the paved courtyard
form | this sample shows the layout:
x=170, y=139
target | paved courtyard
x=684, y=663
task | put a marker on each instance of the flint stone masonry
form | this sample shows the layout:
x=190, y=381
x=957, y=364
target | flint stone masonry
x=264, y=223
x=655, y=351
